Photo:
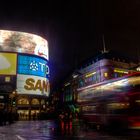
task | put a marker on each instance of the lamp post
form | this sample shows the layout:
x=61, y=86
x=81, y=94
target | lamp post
x=12, y=111
x=12, y=97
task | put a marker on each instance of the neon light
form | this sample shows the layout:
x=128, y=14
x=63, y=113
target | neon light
x=90, y=74
x=121, y=71
x=106, y=74
x=67, y=84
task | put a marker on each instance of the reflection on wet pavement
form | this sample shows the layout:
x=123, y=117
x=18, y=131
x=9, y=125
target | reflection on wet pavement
x=52, y=130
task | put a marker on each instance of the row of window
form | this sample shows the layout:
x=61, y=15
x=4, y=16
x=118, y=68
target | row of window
x=24, y=101
x=90, y=79
x=97, y=78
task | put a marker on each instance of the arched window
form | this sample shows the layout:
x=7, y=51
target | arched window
x=35, y=102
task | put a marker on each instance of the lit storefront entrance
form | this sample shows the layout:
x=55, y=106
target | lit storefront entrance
x=28, y=114
x=23, y=114
x=30, y=108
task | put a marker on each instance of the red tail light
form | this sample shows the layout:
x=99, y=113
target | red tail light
x=134, y=122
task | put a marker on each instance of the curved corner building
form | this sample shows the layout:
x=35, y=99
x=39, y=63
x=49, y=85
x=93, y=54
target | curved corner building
x=24, y=73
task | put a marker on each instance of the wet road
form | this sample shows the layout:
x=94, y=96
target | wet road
x=51, y=130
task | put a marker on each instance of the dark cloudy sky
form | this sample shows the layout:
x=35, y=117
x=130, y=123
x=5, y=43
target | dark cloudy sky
x=74, y=28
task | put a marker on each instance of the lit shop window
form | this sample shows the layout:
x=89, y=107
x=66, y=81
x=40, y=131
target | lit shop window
x=119, y=72
x=105, y=74
x=35, y=102
x=42, y=102
x=23, y=101
x=7, y=79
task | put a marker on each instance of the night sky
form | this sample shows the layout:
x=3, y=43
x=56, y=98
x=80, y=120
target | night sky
x=74, y=28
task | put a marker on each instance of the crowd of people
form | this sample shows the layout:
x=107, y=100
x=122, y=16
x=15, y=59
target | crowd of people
x=65, y=119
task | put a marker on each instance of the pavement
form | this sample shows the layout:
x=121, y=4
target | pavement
x=54, y=130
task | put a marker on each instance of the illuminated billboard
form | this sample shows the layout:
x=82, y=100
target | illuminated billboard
x=8, y=62
x=21, y=42
x=32, y=65
x=32, y=85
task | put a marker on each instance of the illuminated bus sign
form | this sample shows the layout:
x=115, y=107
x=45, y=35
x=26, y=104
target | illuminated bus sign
x=120, y=71
x=31, y=65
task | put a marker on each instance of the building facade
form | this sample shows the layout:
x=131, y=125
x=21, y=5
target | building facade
x=101, y=68
x=24, y=73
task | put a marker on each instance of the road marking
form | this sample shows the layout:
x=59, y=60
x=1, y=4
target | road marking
x=20, y=138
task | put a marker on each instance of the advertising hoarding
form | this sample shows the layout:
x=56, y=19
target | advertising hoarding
x=32, y=65
x=34, y=85
x=8, y=62
x=13, y=41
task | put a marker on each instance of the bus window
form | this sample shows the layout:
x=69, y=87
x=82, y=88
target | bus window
x=118, y=108
x=89, y=108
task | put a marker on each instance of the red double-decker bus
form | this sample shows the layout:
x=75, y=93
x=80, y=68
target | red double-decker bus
x=113, y=103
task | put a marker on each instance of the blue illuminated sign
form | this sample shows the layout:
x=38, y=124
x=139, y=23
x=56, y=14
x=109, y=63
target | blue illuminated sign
x=31, y=65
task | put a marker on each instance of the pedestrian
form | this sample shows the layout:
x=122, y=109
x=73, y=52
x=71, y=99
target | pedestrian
x=66, y=121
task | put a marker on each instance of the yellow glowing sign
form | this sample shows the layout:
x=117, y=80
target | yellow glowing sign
x=90, y=74
x=106, y=74
x=121, y=71
x=8, y=63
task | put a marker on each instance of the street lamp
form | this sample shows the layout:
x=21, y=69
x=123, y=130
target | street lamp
x=12, y=98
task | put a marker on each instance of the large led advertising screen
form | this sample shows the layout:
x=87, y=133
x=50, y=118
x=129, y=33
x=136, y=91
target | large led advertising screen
x=32, y=65
x=13, y=41
x=32, y=85
x=8, y=62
